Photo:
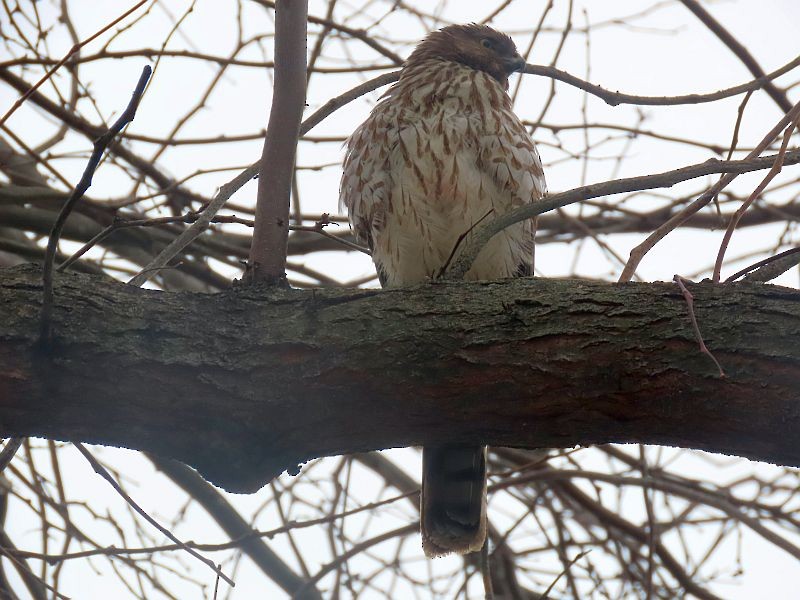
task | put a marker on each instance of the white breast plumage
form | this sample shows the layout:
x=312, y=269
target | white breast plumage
x=442, y=151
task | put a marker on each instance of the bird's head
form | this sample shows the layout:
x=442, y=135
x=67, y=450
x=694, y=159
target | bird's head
x=477, y=46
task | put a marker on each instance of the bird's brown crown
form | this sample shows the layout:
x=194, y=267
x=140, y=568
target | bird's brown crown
x=477, y=46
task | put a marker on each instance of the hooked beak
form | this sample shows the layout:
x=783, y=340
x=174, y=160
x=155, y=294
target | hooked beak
x=515, y=63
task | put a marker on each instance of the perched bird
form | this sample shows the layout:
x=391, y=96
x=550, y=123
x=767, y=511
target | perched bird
x=440, y=152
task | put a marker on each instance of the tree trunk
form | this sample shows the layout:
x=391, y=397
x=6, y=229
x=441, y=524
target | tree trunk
x=255, y=380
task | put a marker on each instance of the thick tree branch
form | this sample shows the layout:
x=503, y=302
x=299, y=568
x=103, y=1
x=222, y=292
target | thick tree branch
x=247, y=383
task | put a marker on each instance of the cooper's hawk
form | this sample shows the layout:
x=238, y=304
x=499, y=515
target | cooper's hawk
x=441, y=151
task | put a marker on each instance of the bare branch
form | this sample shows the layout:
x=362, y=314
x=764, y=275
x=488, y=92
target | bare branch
x=103, y=472
x=72, y=51
x=472, y=247
x=773, y=172
x=638, y=253
x=270, y=234
x=779, y=96
x=617, y=98
x=86, y=181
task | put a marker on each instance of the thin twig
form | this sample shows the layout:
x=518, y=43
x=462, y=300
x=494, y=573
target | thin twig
x=103, y=472
x=234, y=543
x=687, y=295
x=35, y=584
x=757, y=266
x=639, y=252
x=738, y=125
x=216, y=581
x=75, y=48
x=358, y=34
x=92, y=131
x=192, y=217
x=692, y=493
x=86, y=181
x=578, y=556
x=741, y=52
x=9, y=450
x=195, y=229
x=651, y=522
x=734, y=140
x=357, y=549
x=342, y=99
x=773, y=172
x=617, y=98
x=460, y=240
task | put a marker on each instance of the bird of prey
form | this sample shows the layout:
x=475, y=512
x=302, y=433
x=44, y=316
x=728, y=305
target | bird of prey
x=441, y=151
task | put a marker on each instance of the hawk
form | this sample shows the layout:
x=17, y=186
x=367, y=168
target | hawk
x=441, y=151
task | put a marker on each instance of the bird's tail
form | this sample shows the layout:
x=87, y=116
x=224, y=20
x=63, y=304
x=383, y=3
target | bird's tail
x=453, y=503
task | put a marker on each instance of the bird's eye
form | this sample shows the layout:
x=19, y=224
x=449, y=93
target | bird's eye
x=487, y=43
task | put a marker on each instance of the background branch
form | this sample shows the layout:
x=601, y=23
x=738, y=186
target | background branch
x=739, y=49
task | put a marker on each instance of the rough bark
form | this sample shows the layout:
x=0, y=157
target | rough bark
x=250, y=382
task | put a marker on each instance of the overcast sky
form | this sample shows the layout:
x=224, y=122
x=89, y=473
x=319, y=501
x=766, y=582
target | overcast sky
x=666, y=52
